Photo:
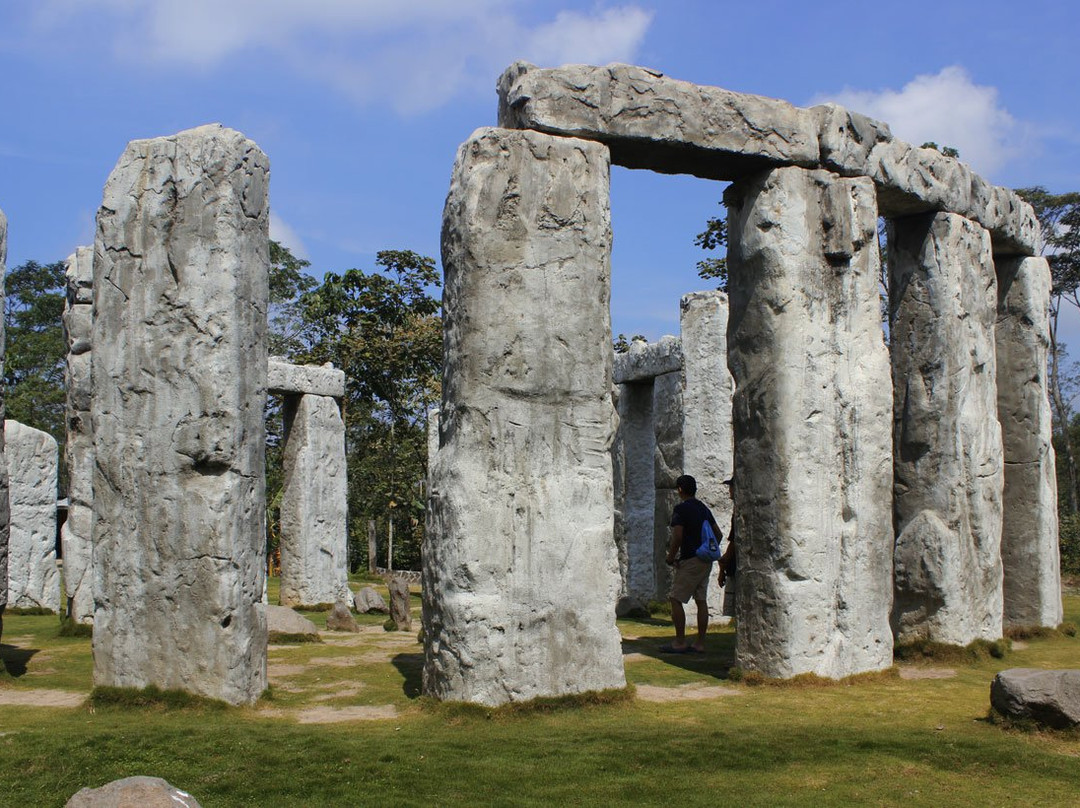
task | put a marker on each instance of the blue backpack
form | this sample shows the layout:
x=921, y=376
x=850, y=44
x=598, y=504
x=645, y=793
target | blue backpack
x=710, y=544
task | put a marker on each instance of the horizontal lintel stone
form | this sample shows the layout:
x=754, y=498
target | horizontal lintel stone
x=644, y=361
x=318, y=380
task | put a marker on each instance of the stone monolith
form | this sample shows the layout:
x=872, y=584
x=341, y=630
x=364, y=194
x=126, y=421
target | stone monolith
x=33, y=577
x=520, y=567
x=5, y=513
x=811, y=425
x=179, y=366
x=78, y=320
x=1030, y=556
x=947, y=440
x=314, y=533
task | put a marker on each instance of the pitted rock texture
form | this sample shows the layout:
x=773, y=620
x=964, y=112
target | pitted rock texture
x=644, y=361
x=4, y=509
x=947, y=440
x=368, y=600
x=1049, y=697
x=652, y=121
x=400, y=604
x=314, y=534
x=317, y=380
x=520, y=569
x=283, y=620
x=78, y=321
x=340, y=618
x=144, y=792
x=635, y=490
x=811, y=425
x=179, y=366
x=33, y=577
x=1030, y=555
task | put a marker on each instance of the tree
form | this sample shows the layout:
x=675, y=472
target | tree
x=1059, y=220
x=713, y=237
x=36, y=348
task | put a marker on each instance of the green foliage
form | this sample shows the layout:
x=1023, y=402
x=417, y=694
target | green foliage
x=34, y=361
x=621, y=344
x=948, y=151
x=70, y=628
x=713, y=237
x=977, y=651
x=285, y=638
x=1069, y=538
x=153, y=698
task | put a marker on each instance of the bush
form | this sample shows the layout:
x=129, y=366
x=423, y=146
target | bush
x=1069, y=539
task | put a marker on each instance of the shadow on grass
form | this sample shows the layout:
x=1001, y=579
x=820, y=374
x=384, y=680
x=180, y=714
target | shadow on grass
x=14, y=660
x=718, y=659
x=411, y=667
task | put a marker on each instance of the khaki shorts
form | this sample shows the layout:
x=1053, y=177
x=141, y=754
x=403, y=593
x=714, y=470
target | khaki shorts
x=691, y=580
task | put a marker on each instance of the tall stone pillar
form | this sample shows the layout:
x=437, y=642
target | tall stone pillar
x=811, y=425
x=33, y=577
x=1030, y=555
x=5, y=513
x=78, y=322
x=638, y=490
x=314, y=538
x=179, y=365
x=947, y=440
x=520, y=570
x=708, y=450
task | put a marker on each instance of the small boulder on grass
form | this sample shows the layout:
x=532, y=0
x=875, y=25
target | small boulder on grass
x=400, y=612
x=281, y=621
x=368, y=600
x=144, y=792
x=1047, y=697
x=341, y=619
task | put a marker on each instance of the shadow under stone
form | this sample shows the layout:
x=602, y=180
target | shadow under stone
x=411, y=666
x=14, y=660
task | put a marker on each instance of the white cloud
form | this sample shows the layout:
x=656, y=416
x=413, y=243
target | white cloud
x=414, y=55
x=949, y=109
x=283, y=234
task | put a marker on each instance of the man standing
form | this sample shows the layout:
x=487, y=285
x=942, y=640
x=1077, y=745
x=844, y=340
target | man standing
x=691, y=573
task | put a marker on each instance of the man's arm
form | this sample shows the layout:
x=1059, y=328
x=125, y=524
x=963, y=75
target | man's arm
x=675, y=543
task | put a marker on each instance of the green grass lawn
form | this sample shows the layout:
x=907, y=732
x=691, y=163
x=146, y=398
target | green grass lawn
x=881, y=740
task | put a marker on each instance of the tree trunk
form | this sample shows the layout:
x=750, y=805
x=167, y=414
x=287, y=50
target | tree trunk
x=372, y=550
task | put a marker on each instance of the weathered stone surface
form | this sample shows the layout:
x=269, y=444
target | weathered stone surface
x=948, y=455
x=523, y=478
x=340, y=619
x=1030, y=556
x=78, y=324
x=644, y=361
x=368, y=600
x=314, y=534
x=179, y=367
x=33, y=577
x=317, y=380
x=400, y=604
x=1049, y=697
x=636, y=499
x=811, y=425
x=651, y=121
x=631, y=607
x=5, y=513
x=283, y=620
x=133, y=792
x=708, y=452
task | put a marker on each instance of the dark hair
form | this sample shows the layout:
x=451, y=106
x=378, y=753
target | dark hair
x=686, y=484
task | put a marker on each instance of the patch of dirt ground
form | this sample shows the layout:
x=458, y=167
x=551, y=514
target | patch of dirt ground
x=690, y=692
x=334, y=715
x=927, y=673
x=41, y=698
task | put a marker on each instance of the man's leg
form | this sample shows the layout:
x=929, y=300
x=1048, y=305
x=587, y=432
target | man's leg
x=678, y=618
x=702, y=624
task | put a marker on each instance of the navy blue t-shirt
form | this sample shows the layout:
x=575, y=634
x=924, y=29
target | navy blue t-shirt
x=691, y=513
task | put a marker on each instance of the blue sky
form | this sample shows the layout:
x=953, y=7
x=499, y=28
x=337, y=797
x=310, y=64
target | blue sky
x=361, y=104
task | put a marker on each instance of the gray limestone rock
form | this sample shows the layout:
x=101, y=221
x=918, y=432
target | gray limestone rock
x=78, y=324
x=33, y=577
x=5, y=512
x=179, y=367
x=644, y=361
x=811, y=425
x=368, y=600
x=948, y=453
x=283, y=620
x=636, y=497
x=1048, y=697
x=400, y=604
x=319, y=380
x=314, y=534
x=520, y=567
x=1030, y=556
x=340, y=618
x=133, y=792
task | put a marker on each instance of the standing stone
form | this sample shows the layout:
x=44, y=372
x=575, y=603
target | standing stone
x=33, y=577
x=314, y=537
x=948, y=456
x=668, y=465
x=520, y=567
x=708, y=450
x=5, y=513
x=1030, y=556
x=811, y=425
x=637, y=493
x=400, y=604
x=179, y=366
x=78, y=322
